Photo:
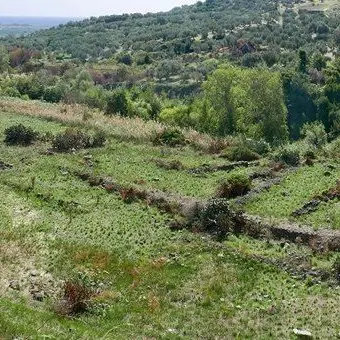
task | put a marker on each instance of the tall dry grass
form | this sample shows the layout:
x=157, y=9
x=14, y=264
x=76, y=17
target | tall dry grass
x=121, y=128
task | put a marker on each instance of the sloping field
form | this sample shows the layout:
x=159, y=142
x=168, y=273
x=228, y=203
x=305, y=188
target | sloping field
x=148, y=279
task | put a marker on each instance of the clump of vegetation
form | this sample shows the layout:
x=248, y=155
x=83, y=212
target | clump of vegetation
x=117, y=103
x=314, y=134
x=259, y=146
x=288, y=154
x=218, y=219
x=169, y=165
x=336, y=268
x=98, y=140
x=71, y=139
x=241, y=152
x=236, y=185
x=170, y=137
x=216, y=146
x=20, y=135
x=333, y=149
x=131, y=194
x=75, y=139
x=76, y=298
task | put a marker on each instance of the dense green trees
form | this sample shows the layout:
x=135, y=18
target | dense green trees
x=245, y=101
x=205, y=26
x=167, y=66
x=4, y=59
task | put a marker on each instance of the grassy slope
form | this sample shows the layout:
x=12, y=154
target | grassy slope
x=157, y=283
x=298, y=188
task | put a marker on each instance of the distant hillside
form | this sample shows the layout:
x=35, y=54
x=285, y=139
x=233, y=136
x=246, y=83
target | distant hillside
x=19, y=26
x=210, y=26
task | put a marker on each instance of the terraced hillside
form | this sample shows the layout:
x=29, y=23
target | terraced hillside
x=107, y=242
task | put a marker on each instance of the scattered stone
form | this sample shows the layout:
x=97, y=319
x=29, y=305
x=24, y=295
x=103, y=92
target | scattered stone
x=5, y=166
x=307, y=208
x=172, y=330
x=34, y=273
x=14, y=284
x=331, y=167
x=38, y=296
x=302, y=333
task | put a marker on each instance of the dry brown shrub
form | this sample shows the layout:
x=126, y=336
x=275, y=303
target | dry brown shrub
x=76, y=299
x=169, y=165
x=153, y=303
x=217, y=145
x=131, y=194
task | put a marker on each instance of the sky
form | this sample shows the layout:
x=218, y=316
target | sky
x=85, y=8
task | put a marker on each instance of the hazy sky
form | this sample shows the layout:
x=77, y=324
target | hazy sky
x=85, y=8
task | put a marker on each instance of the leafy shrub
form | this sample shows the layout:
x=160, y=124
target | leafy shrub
x=98, y=140
x=336, y=268
x=218, y=219
x=309, y=154
x=288, y=154
x=178, y=115
x=241, y=152
x=333, y=149
x=75, y=139
x=235, y=185
x=169, y=165
x=118, y=103
x=258, y=146
x=71, y=139
x=314, y=134
x=170, y=137
x=20, y=135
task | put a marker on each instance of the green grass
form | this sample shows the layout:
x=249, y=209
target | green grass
x=127, y=163
x=196, y=295
x=298, y=188
x=155, y=283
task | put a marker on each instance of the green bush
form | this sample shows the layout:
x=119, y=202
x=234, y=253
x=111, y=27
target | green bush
x=118, y=103
x=236, y=185
x=241, y=152
x=170, y=137
x=20, y=135
x=333, y=149
x=98, y=139
x=288, y=154
x=314, y=134
x=178, y=115
x=218, y=219
x=75, y=139
x=259, y=146
x=336, y=268
x=71, y=139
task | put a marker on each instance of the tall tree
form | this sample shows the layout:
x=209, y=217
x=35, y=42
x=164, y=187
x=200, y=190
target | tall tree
x=247, y=101
x=303, y=60
x=4, y=59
